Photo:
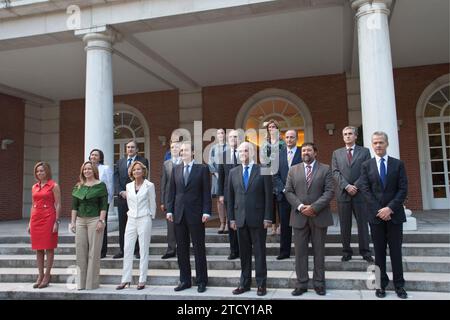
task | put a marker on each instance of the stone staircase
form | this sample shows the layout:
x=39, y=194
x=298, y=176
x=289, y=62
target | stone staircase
x=426, y=267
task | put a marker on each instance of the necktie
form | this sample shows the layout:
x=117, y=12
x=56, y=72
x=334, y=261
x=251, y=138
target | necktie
x=290, y=156
x=246, y=177
x=382, y=172
x=308, y=175
x=349, y=155
x=129, y=162
x=186, y=174
x=234, y=157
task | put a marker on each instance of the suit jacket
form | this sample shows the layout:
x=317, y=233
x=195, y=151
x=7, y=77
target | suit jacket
x=318, y=195
x=224, y=172
x=142, y=203
x=252, y=206
x=165, y=181
x=279, y=178
x=121, y=178
x=192, y=200
x=393, y=195
x=345, y=173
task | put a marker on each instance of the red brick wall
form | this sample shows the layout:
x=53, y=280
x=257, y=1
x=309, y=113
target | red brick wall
x=325, y=97
x=160, y=110
x=71, y=149
x=409, y=85
x=12, y=126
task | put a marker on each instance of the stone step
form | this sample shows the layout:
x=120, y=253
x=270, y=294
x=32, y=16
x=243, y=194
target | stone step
x=24, y=291
x=212, y=237
x=332, y=263
x=331, y=249
x=342, y=280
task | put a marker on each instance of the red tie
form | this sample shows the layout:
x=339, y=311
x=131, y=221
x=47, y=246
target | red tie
x=308, y=176
x=349, y=155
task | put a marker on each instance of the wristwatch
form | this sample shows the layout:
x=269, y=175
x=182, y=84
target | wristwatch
x=102, y=221
x=58, y=221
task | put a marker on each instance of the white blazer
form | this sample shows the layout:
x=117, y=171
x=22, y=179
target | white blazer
x=142, y=203
x=106, y=175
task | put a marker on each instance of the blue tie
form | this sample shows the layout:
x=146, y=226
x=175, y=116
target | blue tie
x=129, y=162
x=246, y=177
x=382, y=173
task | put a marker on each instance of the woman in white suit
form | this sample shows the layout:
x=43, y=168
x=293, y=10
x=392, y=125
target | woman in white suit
x=141, y=210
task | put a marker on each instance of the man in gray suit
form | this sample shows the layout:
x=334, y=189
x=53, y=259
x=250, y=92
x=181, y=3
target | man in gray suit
x=249, y=209
x=165, y=190
x=309, y=190
x=346, y=165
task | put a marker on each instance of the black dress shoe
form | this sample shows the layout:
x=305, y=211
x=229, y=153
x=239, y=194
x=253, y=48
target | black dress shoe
x=232, y=256
x=118, y=256
x=380, y=293
x=261, y=291
x=299, y=291
x=401, y=293
x=201, y=288
x=369, y=259
x=283, y=256
x=240, y=290
x=346, y=258
x=182, y=286
x=168, y=255
x=103, y=255
x=320, y=291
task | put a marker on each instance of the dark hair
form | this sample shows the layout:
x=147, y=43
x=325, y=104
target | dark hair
x=100, y=152
x=46, y=167
x=310, y=144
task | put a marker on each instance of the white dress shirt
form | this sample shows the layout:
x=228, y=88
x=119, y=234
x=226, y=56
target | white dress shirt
x=299, y=208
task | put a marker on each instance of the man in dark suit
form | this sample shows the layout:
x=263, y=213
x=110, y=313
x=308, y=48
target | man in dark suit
x=189, y=207
x=289, y=156
x=230, y=160
x=250, y=201
x=346, y=165
x=165, y=190
x=385, y=187
x=309, y=190
x=121, y=178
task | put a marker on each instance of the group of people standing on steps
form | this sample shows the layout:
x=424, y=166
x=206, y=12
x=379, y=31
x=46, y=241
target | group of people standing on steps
x=248, y=194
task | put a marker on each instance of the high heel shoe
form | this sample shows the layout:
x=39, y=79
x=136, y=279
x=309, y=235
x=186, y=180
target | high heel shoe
x=38, y=282
x=123, y=286
x=140, y=286
x=221, y=228
x=44, y=284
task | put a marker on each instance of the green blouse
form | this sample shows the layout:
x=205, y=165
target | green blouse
x=89, y=201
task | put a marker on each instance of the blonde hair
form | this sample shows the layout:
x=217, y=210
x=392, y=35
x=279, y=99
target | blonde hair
x=46, y=167
x=130, y=170
x=82, y=180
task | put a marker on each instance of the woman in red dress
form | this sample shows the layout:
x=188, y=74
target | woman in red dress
x=44, y=220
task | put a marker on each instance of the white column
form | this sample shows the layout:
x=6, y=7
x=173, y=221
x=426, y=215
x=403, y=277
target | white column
x=376, y=77
x=99, y=95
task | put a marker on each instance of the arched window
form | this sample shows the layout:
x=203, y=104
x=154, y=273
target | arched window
x=129, y=124
x=434, y=145
x=283, y=106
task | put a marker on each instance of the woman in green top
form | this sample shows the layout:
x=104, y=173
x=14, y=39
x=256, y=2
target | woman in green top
x=89, y=205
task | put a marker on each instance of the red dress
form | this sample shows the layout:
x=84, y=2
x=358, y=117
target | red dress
x=43, y=217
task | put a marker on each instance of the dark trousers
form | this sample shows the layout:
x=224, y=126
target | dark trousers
x=345, y=220
x=171, y=240
x=317, y=236
x=232, y=237
x=383, y=234
x=183, y=233
x=122, y=208
x=252, y=238
x=105, y=235
x=284, y=210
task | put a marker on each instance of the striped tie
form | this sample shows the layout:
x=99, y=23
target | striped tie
x=308, y=176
